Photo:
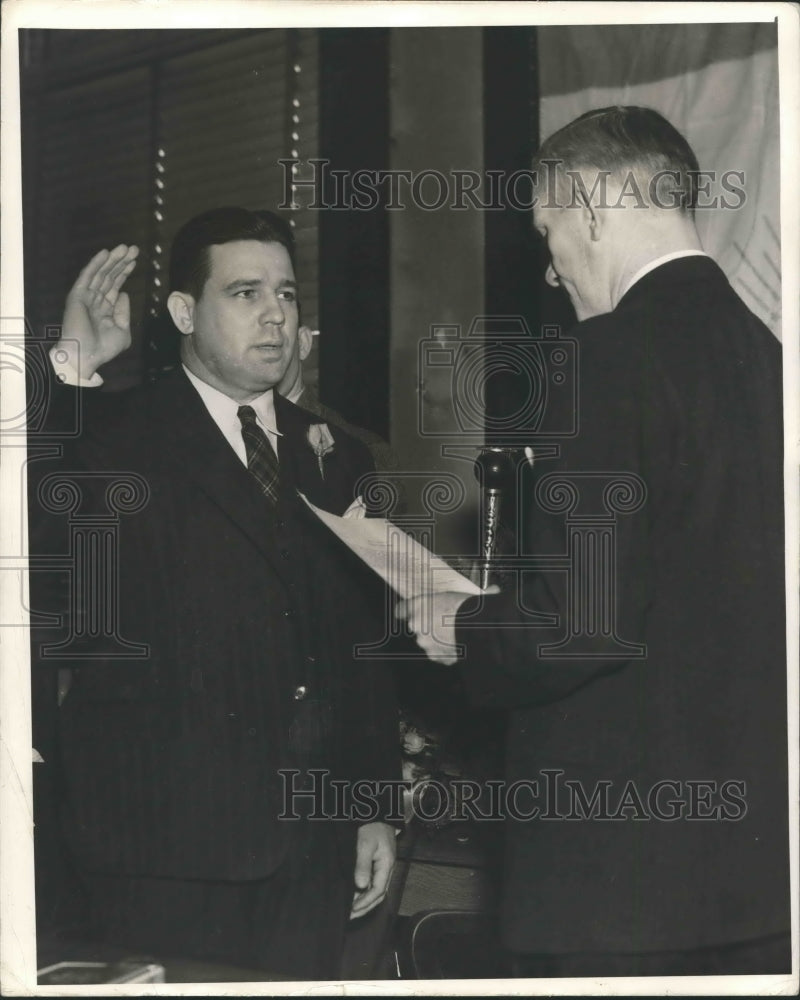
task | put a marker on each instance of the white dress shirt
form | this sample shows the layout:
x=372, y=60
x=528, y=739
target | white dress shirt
x=222, y=409
x=224, y=412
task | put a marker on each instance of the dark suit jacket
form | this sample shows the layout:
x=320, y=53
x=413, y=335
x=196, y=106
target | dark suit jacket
x=171, y=762
x=680, y=385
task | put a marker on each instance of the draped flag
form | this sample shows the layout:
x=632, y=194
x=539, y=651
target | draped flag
x=718, y=84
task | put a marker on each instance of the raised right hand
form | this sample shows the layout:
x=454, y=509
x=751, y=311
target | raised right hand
x=97, y=321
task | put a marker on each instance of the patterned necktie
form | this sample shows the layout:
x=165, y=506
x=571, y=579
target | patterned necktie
x=261, y=459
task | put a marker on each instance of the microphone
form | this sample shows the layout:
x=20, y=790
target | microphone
x=495, y=470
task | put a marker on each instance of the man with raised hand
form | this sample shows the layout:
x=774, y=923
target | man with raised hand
x=192, y=774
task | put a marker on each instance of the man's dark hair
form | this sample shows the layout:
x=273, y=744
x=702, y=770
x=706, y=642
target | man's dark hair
x=620, y=140
x=189, y=265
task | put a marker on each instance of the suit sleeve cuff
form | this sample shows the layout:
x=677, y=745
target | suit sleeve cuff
x=484, y=679
x=66, y=374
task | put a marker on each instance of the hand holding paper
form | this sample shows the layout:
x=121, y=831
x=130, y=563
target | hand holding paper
x=432, y=619
x=431, y=591
x=408, y=567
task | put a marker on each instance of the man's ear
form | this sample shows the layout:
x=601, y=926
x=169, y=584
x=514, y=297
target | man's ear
x=181, y=309
x=304, y=342
x=595, y=222
x=591, y=217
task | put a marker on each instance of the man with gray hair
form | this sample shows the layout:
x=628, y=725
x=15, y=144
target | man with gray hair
x=653, y=839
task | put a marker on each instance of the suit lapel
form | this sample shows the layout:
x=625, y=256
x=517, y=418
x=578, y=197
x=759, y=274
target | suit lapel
x=299, y=464
x=184, y=431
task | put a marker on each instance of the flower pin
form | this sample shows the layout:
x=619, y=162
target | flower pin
x=322, y=443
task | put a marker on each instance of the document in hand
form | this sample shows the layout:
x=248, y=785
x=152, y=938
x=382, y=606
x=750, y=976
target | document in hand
x=408, y=567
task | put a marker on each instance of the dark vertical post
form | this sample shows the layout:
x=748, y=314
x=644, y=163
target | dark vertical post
x=353, y=242
x=510, y=139
x=509, y=142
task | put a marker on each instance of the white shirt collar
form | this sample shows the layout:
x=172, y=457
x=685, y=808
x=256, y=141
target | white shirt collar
x=224, y=412
x=653, y=264
x=296, y=393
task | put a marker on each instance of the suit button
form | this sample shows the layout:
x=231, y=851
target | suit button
x=288, y=613
x=300, y=692
x=284, y=553
x=311, y=659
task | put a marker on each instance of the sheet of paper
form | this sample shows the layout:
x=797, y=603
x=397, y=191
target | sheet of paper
x=408, y=567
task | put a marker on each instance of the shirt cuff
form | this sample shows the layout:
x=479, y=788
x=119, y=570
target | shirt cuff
x=66, y=374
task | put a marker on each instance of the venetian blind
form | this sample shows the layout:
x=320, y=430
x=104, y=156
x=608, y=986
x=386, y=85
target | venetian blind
x=194, y=120
x=91, y=192
x=226, y=117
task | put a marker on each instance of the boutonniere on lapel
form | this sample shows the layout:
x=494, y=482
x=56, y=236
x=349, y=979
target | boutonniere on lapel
x=322, y=443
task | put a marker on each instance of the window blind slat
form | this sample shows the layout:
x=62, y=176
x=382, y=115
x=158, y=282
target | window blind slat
x=221, y=112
